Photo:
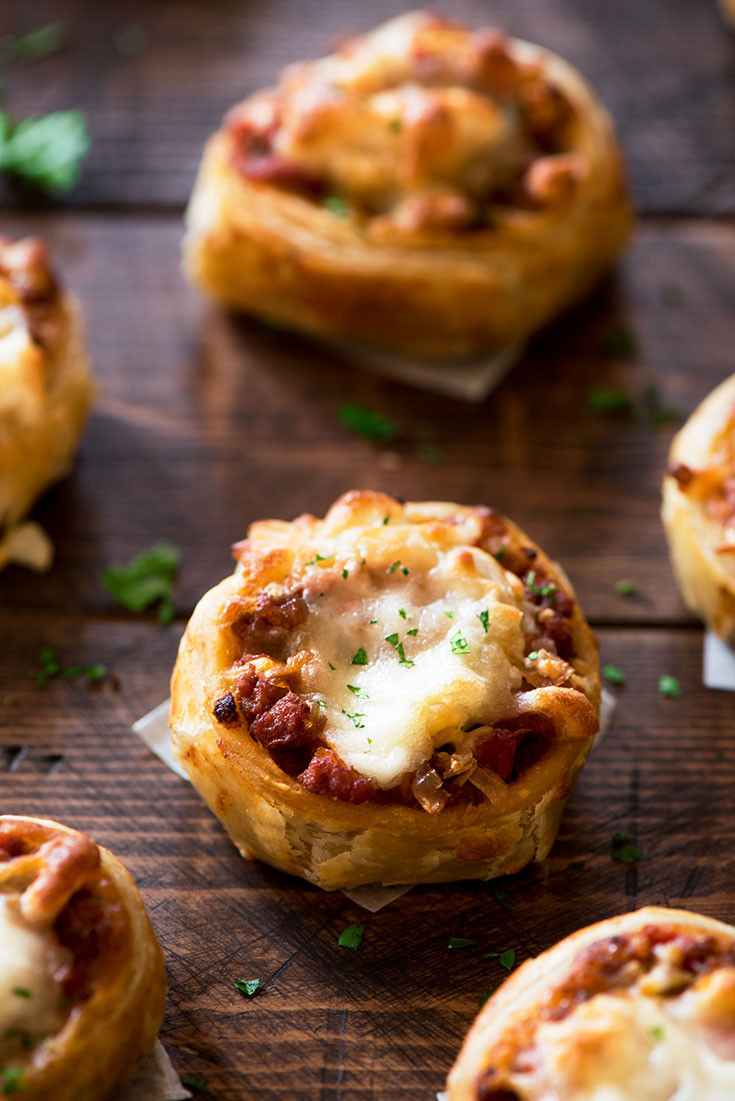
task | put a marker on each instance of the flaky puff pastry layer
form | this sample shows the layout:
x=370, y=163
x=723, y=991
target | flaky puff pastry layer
x=371, y=544
x=83, y=906
x=46, y=389
x=638, y=1006
x=416, y=275
x=699, y=510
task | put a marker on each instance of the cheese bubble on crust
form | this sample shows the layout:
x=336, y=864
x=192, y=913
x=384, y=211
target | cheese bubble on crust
x=30, y=960
x=412, y=661
x=620, y=1047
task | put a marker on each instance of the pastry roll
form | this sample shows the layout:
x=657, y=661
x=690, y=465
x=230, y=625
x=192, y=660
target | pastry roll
x=393, y=694
x=82, y=981
x=425, y=190
x=640, y=1007
x=699, y=510
x=45, y=386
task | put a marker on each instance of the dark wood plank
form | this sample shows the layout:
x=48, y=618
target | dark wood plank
x=205, y=422
x=665, y=71
x=385, y=1022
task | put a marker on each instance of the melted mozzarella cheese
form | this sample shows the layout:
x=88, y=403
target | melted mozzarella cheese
x=625, y=1048
x=29, y=962
x=21, y=379
x=430, y=666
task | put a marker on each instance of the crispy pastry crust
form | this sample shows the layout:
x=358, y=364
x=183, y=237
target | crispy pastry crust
x=699, y=510
x=419, y=278
x=575, y=986
x=335, y=843
x=45, y=385
x=116, y=1001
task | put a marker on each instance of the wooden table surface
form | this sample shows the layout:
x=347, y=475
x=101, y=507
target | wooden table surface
x=205, y=423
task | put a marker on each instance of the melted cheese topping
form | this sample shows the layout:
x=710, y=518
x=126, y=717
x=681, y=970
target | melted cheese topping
x=375, y=124
x=412, y=661
x=619, y=1047
x=30, y=960
x=21, y=363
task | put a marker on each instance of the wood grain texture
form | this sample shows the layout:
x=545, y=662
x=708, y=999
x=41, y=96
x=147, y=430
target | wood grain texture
x=206, y=422
x=665, y=71
x=387, y=1021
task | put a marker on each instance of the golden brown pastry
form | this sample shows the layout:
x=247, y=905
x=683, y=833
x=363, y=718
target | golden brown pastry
x=426, y=190
x=393, y=694
x=699, y=510
x=45, y=390
x=640, y=1007
x=82, y=981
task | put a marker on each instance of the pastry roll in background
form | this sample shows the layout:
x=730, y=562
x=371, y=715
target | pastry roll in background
x=393, y=694
x=640, y=1007
x=46, y=391
x=425, y=190
x=699, y=510
x=82, y=980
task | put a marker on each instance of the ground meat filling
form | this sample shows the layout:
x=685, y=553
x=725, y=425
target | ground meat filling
x=25, y=266
x=94, y=926
x=616, y=963
x=540, y=173
x=291, y=730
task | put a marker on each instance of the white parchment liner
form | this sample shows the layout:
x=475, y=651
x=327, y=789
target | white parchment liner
x=156, y=1080
x=718, y=663
x=153, y=729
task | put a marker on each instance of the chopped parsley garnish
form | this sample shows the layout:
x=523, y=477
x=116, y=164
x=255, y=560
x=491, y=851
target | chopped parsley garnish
x=461, y=942
x=484, y=618
x=398, y=647
x=449, y=615
x=502, y=896
x=46, y=151
x=459, y=644
x=195, y=1082
x=351, y=937
x=533, y=656
x=320, y=558
x=668, y=686
x=321, y=703
x=332, y=666
x=357, y=691
x=146, y=579
x=360, y=658
x=507, y=958
x=613, y=674
x=539, y=590
x=396, y=565
x=35, y=44
x=658, y=1032
x=385, y=520
x=49, y=665
x=624, y=587
x=392, y=639
x=344, y=572
x=402, y=613
x=601, y=400
x=368, y=423
x=25, y=1038
x=337, y=206
x=13, y=1080
x=248, y=987
x=488, y=994
x=395, y=125
x=623, y=850
x=21, y=992
x=355, y=718
x=498, y=554
x=619, y=341
x=413, y=632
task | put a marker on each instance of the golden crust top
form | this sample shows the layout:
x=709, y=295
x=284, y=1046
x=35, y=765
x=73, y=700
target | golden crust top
x=82, y=983
x=640, y=1005
x=420, y=129
x=422, y=654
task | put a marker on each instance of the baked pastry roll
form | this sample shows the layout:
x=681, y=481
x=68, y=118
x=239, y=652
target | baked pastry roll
x=699, y=510
x=640, y=1007
x=426, y=190
x=45, y=388
x=82, y=981
x=393, y=694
